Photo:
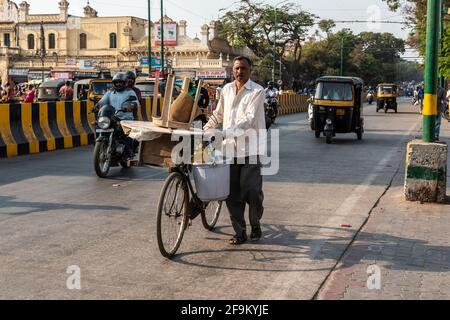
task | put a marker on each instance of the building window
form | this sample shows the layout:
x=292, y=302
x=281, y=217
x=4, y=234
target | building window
x=30, y=42
x=112, y=41
x=83, y=41
x=51, y=41
x=7, y=40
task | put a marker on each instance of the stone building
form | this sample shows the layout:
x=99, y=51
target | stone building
x=84, y=46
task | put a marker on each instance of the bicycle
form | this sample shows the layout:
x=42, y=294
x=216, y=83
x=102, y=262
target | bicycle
x=178, y=206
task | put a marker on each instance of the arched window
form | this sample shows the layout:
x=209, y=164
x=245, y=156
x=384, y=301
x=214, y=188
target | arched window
x=30, y=42
x=51, y=41
x=112, y=41
x=83, y=41
x=7, y=40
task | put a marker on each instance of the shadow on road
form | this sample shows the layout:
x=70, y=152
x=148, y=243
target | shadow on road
x=26, y=208
x=285, y=247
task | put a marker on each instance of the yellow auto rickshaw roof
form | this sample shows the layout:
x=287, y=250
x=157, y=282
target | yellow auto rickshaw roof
x=352, y=80
x=102, y=80
x=387, y=85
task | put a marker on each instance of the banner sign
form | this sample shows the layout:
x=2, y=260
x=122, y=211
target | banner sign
x=156, y=62
x=18, y=72
x=212, y=74
x=87, y=64
x=170, y=33
x=70, y=62
x=62, y=75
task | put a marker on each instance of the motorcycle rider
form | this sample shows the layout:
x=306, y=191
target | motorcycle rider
x=131, y=84
x=116, y=98
x=370, y=95
x=272, y=93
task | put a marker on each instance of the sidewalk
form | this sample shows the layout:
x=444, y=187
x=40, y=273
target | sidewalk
x=408, y=242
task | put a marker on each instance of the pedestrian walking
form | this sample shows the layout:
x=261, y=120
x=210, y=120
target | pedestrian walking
x=241, y=109
x=421, y=97
x=31, y=95
x=441, y=108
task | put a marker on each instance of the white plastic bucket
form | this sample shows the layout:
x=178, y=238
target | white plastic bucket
x=212, y=181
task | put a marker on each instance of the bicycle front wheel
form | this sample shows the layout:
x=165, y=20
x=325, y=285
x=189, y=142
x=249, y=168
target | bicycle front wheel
x=172, y=215
x=211, y=214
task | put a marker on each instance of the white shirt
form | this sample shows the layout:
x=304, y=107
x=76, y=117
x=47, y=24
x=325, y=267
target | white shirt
x=243, y=115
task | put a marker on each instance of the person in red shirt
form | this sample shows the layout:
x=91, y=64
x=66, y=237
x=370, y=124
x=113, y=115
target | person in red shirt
x=31, y=95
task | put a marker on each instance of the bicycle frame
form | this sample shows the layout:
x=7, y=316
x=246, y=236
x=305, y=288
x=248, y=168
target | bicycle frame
x=196, y=206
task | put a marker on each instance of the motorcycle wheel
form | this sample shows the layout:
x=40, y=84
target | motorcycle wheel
x=446, y=115
x=317, y=134
x=268, y=122
x=102, y=163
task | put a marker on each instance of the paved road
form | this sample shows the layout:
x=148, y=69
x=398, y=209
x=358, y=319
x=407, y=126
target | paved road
x=55, y=213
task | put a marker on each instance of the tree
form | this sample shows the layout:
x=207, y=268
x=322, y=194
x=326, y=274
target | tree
x=415, y=12
x=253, y=24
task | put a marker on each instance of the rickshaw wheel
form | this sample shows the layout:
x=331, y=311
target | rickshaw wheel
x=359, y=134
x=328, y=137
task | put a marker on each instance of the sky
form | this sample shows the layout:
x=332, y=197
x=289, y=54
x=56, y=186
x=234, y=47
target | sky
x=199, y=12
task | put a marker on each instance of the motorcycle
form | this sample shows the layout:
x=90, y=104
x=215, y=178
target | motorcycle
x=271, y=110
x=370, y=98
x=110, y=147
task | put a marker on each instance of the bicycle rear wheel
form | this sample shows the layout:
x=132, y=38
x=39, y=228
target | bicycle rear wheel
x=211, y=214
x=172, y=215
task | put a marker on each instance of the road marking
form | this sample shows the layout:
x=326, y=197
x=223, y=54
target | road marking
x=287, y=280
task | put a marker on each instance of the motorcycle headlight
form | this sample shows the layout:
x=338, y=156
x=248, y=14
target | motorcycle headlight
x=104, y=122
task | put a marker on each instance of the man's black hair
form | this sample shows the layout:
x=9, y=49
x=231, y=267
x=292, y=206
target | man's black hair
x=240, y=58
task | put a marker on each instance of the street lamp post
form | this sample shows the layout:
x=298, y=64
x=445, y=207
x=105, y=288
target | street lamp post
x=431, y=70
x=42, y=52
x=342, y=56
x=149, y=39
x=275, y=42
x=162, y=38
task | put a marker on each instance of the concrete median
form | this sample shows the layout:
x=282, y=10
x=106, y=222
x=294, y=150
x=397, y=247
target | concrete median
x=292, y=103
x=40, y=127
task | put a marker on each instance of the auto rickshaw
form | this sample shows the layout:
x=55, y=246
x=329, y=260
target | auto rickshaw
x=387, y=97
x=93, y=89
x=337, y=107
x=49, y=90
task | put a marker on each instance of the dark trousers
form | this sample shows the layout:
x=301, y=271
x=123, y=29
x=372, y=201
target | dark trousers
x=245, y=188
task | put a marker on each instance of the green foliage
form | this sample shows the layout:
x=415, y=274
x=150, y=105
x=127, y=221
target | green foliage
x=372, y=56
x=415, y=13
